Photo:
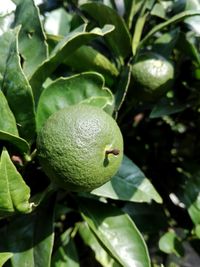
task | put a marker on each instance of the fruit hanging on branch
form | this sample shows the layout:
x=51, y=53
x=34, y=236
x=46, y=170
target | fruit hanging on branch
x=153, y=76
x=80, y=147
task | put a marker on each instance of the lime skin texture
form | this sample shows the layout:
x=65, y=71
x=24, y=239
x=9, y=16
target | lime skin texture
x=153, y=76
x=80, y=147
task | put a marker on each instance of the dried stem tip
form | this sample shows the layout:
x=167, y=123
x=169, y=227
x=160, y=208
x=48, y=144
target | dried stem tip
x=114, y=151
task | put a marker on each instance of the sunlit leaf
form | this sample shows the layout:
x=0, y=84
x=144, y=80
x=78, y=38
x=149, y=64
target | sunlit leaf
x=15, y=85
x=101, y=254
x=31, y=35
x=4, y=256
x=7, y=119
x=129, y=184
x=110, y=224
x=14, y=193
x=170, y=243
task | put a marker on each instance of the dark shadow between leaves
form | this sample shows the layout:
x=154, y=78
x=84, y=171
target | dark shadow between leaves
x=27, y=231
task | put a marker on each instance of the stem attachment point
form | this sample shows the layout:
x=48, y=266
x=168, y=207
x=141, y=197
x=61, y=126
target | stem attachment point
x=113, y=151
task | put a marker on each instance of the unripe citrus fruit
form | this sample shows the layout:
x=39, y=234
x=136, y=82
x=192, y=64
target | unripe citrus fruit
x=152, y=75
x=80, y=147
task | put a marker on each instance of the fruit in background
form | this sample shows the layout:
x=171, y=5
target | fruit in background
x=152, y=76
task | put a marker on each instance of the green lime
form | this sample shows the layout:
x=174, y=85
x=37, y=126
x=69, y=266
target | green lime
x=153, y=76
x=80, y=147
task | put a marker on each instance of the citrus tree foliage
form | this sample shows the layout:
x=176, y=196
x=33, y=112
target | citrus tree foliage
x=62, y=53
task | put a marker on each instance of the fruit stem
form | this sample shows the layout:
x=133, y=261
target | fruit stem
x=113, y=151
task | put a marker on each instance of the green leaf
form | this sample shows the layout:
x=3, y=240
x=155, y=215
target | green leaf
x=14, y=193
x=4, y=256
x=60, y=20
x=165, y=43
x=129, y=184
x=87, y=58
x=101, y=254
x=122, y=87
x=81, y=88
x=119, y=40
x=197, y=230
x=20, y=143
x=194, y=21
x=159, y=10
x=167, y=106
x=30, y=237
x=170, y=243
x=138, y=32
x=66, y=254
x=191, y=198
x=7, y=119
x=116, y=232
x=64, y=48
x=32, y=44
x=131, y=8
x=188, y=45
x=175, y=19
x=15, y=85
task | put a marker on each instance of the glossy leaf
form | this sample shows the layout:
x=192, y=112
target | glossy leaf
x=7, y=119
x=31, y=35
x=101, y=254
x=129, y=184
x=66, y=254
x=4, y=256
x=16, y=87
x=30, y=237
x=81, y=88
x=170, y=243
x=20, y=143
x=14, y=193
x=64, y=48
x=116, y=232
x=106, y=15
